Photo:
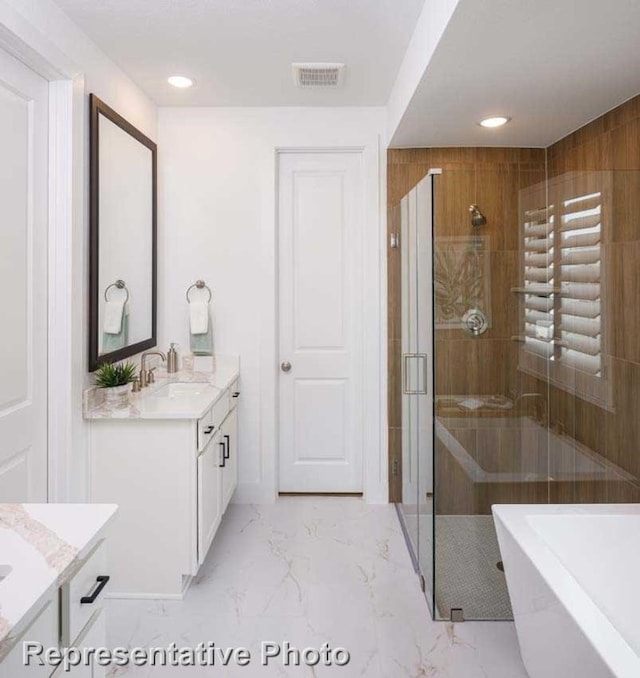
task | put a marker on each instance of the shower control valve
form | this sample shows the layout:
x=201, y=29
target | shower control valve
x=475, y=321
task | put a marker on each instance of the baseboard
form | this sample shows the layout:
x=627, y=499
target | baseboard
x=145, y=596
x=253, y=493
x=379, y=494
x=320, y=494
x=257, y=493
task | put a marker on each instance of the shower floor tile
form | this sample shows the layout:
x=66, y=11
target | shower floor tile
x=467, y=575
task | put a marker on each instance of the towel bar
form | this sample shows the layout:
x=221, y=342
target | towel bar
x=120, y=284
x=201, y=285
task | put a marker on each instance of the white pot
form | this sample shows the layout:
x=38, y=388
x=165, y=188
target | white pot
x=117, y=396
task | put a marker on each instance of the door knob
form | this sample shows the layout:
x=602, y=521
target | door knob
x=285, y=366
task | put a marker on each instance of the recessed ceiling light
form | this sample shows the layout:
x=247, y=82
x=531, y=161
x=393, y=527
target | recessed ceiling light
x=180, y=81
x=495, y=121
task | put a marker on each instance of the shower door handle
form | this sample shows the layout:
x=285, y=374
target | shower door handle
x=405, y=376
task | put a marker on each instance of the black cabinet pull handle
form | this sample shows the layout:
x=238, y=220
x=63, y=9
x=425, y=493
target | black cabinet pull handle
x=208, y=430
x=227, y=446
x=236, y=394
x=224, y=455
x=102, y=582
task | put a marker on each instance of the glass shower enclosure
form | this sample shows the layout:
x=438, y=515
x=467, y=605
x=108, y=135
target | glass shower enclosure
x=514, y=325
x=458, y=426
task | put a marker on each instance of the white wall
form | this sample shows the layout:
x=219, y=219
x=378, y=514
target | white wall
x=217, y=173
x=217, y=221
x=61, y=50
x=429, y=29
x=47, y=29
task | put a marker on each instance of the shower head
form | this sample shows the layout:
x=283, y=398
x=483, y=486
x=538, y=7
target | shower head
x=477, y=218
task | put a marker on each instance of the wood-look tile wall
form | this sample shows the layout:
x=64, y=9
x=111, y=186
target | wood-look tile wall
x=490, y=178
x=611, y=143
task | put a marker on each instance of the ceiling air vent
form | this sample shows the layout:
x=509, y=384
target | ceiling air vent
x=318, y=75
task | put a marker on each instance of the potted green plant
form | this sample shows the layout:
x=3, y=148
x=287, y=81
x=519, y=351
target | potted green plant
x=114, y=379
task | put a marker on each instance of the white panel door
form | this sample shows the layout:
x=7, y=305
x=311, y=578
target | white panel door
x=321, y=304
x=23, y=282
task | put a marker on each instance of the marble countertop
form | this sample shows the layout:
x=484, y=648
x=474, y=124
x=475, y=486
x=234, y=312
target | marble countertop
x=40, y=545
x=216, y=376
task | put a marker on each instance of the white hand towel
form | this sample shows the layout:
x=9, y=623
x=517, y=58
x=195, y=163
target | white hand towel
x=113, y=313
x=471, y=403
x=198, y=317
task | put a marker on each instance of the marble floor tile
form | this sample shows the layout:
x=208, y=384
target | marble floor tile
x=313, y=571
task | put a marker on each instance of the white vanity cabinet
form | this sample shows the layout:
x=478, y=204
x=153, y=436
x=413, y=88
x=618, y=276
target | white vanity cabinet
x=217, y=468
x=71, y=616
x=43, y=629
x=93, y=636
x=82, y=614
x=210, y=481
x=172, y=478
x=229, y=447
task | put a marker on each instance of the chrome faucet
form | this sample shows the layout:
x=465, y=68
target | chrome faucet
x=145, y=375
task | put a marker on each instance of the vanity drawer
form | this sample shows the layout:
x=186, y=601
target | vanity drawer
x=234, y=394
x=86, y=584
x=207, y=427
x=221, y=409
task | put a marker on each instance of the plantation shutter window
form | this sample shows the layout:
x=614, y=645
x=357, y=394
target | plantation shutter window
x=580, y=283
x=562, y=292
x=538, y=234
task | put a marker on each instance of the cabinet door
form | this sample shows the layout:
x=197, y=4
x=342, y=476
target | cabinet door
x=96, y=636
x=93, y=636
x=209, y=499
x=230, y=470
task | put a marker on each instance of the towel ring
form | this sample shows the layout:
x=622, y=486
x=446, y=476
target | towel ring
x=120, y=284
x=201, y=285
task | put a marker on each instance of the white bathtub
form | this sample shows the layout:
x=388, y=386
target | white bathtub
x=518, y=449
x=573, y=573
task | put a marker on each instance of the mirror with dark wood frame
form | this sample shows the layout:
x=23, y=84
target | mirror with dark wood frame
x=123, y=238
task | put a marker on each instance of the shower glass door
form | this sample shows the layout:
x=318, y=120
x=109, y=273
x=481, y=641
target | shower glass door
x=417, y=378
x=424, y=345
x=409, y=376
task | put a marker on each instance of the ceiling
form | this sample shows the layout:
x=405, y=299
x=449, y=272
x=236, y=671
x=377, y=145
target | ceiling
x=552, y=65
x=240, y=51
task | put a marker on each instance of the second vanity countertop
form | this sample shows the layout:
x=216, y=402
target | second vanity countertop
x=153, y=402
x=39, y=546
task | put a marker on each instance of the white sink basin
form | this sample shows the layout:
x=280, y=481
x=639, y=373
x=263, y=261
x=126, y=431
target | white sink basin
x=5, y=570
x=181, y=389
